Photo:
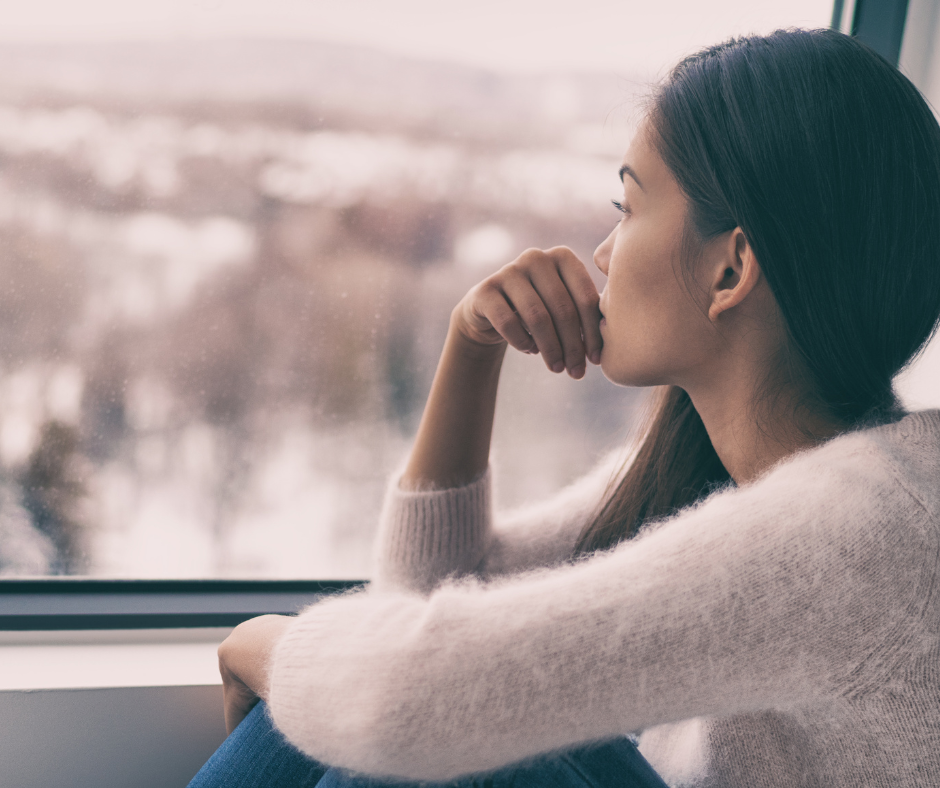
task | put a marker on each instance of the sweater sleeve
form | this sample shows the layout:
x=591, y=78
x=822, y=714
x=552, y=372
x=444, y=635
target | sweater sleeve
x=428, y=536
x=804, y=585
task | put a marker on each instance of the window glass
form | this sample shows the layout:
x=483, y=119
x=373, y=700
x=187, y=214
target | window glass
x=231, y=235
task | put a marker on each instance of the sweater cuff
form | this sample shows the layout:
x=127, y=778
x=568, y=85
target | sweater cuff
x=427, y=536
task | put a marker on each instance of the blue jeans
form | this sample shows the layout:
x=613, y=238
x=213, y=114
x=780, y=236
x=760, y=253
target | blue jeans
x=256, y=755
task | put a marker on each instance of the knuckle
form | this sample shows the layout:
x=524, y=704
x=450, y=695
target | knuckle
x=488, y=285
x=534, y=316
x=507, y=276
x=487, y=292
x=502, y=322
x=566, y=311
x=562, y=254
x=531, y=253
x=530, y=258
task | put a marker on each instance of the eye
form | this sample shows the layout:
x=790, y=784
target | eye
x=620, y=207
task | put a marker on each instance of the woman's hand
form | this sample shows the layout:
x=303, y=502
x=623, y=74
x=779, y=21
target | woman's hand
x=542, y=302
x=245, y=664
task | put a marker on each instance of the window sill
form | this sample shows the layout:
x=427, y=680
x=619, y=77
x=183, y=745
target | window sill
x=43, y=660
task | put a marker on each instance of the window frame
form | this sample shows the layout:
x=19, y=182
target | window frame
x=90, y=603
x=73, y=603
x=878, y=23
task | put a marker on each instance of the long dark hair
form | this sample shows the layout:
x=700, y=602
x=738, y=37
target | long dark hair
x=828, y=159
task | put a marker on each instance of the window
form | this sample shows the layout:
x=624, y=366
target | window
x=230, y=239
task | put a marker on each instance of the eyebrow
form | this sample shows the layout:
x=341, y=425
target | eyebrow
x=626, y=169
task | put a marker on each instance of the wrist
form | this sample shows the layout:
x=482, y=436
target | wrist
x=460, y=343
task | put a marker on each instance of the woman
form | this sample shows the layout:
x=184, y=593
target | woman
x=753, y=594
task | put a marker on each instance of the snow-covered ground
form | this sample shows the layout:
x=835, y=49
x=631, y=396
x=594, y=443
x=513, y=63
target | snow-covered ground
x=152, y=266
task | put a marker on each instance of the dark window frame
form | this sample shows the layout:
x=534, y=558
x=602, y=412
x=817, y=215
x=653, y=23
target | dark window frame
x=72, y=603
x=878, y=23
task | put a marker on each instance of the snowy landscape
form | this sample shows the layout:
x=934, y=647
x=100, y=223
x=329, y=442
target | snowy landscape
x=227, y=271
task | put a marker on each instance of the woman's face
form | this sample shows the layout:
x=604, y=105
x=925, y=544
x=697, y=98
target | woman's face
x=653, y=331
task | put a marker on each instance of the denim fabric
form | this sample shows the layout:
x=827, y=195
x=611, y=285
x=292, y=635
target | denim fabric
x=257, y=756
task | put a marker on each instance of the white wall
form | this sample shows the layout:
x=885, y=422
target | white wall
x=108, y=709
x=121, y=737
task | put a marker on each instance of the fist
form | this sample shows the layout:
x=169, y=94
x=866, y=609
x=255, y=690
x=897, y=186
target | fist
x=543, y=302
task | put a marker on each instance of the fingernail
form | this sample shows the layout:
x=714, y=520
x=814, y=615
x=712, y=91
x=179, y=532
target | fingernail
x=578, y=372
x=558, y=366
x=596, y=357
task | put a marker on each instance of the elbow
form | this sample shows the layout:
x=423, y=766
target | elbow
x=346, y=736
x=369, y=732
x=362, y=683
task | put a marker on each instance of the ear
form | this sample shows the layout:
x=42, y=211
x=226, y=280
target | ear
x=734, y=272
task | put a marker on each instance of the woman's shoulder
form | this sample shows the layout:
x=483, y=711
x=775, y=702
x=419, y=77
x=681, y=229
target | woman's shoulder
x=899, y=457
x=909, y=448
x=874, y=490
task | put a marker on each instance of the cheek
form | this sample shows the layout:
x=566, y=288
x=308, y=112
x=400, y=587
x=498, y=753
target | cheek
x=644, y=290
x=651, y=330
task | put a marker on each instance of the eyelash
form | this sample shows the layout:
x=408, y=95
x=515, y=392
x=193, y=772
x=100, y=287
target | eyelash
x=620, y=207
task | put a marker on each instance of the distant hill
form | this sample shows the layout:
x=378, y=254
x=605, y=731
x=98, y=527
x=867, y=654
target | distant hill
x=321, y=78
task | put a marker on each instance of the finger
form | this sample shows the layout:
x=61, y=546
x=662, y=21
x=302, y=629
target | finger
x=494, y=307
x=585, y=296
x=564, y=314
x=237, y=700
x=535, y=317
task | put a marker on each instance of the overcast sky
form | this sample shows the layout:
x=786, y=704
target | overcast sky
x=516, y=35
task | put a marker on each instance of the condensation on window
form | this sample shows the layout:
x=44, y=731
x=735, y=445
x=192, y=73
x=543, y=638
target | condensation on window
x=227, y=270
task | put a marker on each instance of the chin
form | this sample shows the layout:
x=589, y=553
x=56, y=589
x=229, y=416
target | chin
x=623, y=375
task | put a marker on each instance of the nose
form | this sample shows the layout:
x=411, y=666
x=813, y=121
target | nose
x=602, y=253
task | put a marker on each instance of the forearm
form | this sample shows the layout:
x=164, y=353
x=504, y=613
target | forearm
x=453, y=442
x=480, y=675
x=543, y=302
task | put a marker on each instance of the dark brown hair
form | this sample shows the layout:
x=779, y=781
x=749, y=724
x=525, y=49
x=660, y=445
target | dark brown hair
x=829, y=160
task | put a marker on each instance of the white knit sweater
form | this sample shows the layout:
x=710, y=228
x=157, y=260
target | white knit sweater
x=786, y=633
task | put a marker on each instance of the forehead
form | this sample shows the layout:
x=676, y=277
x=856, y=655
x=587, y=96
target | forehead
x=640, y=155
x=643, y=158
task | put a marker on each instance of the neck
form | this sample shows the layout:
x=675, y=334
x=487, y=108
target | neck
x=750, y=439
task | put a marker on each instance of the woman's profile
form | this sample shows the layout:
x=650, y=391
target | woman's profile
x=749, y=599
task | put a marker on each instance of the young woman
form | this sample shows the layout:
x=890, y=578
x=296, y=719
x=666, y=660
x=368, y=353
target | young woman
x=753, y=593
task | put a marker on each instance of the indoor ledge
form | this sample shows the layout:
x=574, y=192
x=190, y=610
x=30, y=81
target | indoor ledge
x=110, y=658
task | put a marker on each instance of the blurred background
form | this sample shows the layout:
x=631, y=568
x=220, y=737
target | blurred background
x=232, y=233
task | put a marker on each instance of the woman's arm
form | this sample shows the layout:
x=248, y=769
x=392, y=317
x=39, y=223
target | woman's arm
x=452, y=447
x=763, y=597
x=427, y=536
x=436, y=518
x=543, y=302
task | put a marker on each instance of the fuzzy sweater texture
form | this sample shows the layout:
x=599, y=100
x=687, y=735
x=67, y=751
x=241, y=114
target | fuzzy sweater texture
x=785, y=633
